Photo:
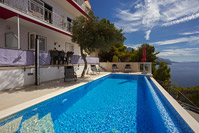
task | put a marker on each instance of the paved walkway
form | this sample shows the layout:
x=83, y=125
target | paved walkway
x=12, y=97
x=194, y=115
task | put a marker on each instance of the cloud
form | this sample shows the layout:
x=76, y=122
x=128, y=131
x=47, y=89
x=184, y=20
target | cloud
x=147, y=34
x=190, y=33
x=152, y=13
x=192, y=40
x=180, y=52
x=134, y=46
x=182, y=20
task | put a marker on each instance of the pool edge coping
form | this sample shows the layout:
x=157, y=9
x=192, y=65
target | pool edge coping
x=191, y=122
x=19, y=107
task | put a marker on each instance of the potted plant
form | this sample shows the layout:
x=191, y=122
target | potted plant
x=54, y=56
x=69, y=55
x=61, y=57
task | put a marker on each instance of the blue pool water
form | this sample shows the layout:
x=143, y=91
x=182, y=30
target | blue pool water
x=114, y=103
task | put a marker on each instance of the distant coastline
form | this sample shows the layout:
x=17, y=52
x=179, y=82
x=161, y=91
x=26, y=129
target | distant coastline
x=167, y=61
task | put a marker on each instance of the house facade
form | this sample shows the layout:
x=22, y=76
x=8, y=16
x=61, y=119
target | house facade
x=51, y=21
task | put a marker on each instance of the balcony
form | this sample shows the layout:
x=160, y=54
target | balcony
x=37, y=9
x=82, y=5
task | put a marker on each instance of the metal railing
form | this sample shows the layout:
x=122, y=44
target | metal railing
x=81, y=3
x=184, y=101
x=189, y=107
x=36, y=9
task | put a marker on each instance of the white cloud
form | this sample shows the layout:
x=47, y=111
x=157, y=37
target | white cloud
x=134, y=46
x=190, y=33
x=180, y=52
x=138, y=6
x=147, y=34
x=152, y=13
x=181, y=20
x=191, y=40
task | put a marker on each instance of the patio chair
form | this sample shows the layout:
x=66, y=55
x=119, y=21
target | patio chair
x=94, y=69
x=127, y=68
x=69, y=73
x=115, y=68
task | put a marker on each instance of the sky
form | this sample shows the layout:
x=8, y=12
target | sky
x=172, y=26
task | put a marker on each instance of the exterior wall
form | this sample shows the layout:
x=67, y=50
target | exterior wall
x=62, y=9
x=58, y=9
x=16, y=77
x=135, y=66
x=120, y=65
x=52, y=38
x=5, y=27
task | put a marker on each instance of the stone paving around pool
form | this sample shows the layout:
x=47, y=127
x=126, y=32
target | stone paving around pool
x=13, y=97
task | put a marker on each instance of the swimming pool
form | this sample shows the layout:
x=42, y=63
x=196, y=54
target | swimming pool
x=114, y=103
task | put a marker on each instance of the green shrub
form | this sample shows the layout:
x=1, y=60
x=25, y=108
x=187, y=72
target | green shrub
x=115, y=58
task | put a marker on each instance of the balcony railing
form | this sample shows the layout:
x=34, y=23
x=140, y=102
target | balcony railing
x=81, y=3
x=36, y=9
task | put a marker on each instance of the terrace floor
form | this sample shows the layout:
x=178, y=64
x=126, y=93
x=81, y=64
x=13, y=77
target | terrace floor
x=14, y=97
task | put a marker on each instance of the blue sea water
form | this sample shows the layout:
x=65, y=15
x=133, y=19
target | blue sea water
x=185, y=74
x=115, y=103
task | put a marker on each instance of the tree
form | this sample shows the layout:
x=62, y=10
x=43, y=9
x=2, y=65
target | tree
x=151, y=56
x=93, y=34
x=119, y=50
x=162, y=75
x=187, y=95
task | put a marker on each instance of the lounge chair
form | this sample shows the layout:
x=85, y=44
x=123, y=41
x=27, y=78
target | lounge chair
x=69, y=73
x=127, y=68
x=94, y=69
x=115, y=68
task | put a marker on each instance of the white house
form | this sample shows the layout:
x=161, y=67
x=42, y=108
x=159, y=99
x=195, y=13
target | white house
x=50, y=20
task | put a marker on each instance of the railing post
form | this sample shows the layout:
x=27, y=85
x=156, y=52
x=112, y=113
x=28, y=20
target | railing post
x=37, y=68
x=18, y=31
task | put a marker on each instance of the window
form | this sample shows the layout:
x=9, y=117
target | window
x=32, y=37
x=69, y=24
x=11, y=40
x=37, y=8
x=72, y=48
x=42, y=42
x=48, y=13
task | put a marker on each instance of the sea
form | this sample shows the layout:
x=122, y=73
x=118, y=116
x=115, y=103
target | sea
x=185, y=74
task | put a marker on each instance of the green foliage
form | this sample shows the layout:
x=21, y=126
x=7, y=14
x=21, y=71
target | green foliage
x=150, y=54
x=115, y=58
x=192, y=93
x=162, y=75
x=92, y=34
x=118, y=50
